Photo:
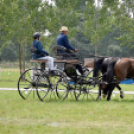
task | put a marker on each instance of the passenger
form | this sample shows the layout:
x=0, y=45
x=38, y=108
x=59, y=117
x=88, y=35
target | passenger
x=40, y=53
x=62, y=40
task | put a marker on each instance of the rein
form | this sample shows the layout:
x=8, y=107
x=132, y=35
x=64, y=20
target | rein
x=98, y=56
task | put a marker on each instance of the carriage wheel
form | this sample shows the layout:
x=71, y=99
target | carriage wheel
x=71, y=89
x=42, y=87
x=50, y=78
x=54, y=78
x=62, y=88
x=85, y=92
x=27, y=82
x=77, y=91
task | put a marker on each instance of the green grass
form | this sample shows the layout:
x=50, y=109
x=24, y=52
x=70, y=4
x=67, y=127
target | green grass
x=9, y=76
x=18, y=116
x=8, y=84
x=32, y=116
x=9, y=79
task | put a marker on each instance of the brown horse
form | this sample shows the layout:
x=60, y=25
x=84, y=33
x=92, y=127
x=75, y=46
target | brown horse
x=123, y=68
x=109, y=68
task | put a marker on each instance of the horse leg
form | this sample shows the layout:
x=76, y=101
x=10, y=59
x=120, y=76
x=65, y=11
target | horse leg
x=104, y=85
x=121, y=70
x=111, y=88
x=121, y=91
x=109, y=78
x=105, y=91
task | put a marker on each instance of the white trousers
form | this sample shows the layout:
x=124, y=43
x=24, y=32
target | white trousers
x=50, y=61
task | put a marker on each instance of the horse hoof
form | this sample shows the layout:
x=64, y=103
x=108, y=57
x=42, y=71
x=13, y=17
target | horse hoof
x=104, y=96
x=121, y=94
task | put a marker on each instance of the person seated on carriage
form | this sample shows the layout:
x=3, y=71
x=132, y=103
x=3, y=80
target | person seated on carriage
x=40, y=53
x=62, y=40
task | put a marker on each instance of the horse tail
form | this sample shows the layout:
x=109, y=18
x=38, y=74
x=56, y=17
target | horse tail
x=97, y=66
x=110, y=71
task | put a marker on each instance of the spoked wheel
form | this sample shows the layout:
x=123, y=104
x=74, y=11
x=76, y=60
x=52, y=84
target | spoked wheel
x=27, y=82
x=50, y=79
x=62, y=87
x=77, y=91
x=71, y=89
x=85, y=92
x=54, y=78
x=42, y=87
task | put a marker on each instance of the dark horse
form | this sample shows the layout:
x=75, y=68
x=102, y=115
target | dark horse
x=106, y=66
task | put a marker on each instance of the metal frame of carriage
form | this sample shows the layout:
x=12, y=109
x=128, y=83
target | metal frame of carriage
x=46, y=82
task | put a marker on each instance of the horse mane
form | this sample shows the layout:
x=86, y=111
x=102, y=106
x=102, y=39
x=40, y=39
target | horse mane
x=97, y=66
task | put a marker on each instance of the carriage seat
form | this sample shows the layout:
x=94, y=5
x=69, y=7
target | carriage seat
x=57, y=48
x=60, y=52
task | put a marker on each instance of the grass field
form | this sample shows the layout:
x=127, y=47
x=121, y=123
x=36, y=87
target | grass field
x=9, y=79
x=31, y=116
x=18, y=116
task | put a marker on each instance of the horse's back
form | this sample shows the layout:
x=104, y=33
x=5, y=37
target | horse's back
x=123, y=63
x=123, y=68
x=108, y=62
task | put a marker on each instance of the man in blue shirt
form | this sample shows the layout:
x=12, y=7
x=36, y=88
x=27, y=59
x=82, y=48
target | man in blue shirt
x=40, y=53
x=62, y=40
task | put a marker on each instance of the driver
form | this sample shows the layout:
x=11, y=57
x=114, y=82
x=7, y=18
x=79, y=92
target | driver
x=62, y=40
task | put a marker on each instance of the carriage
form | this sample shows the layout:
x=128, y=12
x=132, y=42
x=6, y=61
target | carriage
x=65, y=81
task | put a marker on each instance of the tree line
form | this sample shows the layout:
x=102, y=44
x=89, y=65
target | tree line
x=102, y=28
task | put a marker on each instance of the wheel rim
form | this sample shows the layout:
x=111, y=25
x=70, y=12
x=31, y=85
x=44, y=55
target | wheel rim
x=77, y=91
x=27, y=82
x=71, y=89
x=42, y=87
x=62, y=88
x=54, y=78
x=86, y=92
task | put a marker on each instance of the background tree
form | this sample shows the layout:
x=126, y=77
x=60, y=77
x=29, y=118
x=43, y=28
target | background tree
x=98, y=22
x=107, y=26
